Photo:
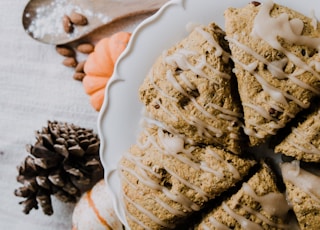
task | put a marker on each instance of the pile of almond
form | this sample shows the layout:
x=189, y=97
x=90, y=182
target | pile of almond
x=70, y=60
x=74, y=19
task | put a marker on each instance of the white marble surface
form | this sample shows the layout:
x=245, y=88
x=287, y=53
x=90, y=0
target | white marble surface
x=35, y=87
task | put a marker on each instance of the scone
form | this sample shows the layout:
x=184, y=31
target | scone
x=164, y=180
x=303, y=193
x=257, y=205
x=191, y=90
x=303, y=143
x=275, y=51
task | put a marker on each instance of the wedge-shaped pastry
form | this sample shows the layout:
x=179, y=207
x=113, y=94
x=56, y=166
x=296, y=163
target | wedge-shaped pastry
x=303, y=189
x=303, y=143
x=165, y=180
x=276, y=56
x=257, y=205
x=191, y=90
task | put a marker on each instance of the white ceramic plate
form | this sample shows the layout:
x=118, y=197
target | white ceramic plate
x=119, y=117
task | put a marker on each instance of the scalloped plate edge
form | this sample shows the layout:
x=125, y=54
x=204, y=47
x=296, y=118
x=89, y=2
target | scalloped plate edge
x=117, y=80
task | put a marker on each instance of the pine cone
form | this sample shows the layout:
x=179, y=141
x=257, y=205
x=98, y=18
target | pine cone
x=63, y=162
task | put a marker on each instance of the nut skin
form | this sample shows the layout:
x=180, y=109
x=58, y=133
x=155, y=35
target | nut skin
x=78, y=19
x=78, y=76
x=80, y=67
x=85, y=48
x=255, y=3
x=67, y=24
x=65, y=51
x=70, y=62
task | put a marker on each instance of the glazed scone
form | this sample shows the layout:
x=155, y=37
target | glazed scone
x=276, y=56
x=257, y=205
x=303, y=143
x=191, y=90
x=303, y=189
x=164, y=180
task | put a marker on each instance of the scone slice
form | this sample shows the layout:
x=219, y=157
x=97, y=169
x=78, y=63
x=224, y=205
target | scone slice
x=165, y=180
x=191, y=90
x=257, y=205
x=303, y=193
x=303, y=143
x=276, y=56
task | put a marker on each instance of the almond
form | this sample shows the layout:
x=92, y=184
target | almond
x=85, y=48
x=78, y=19
x=255, y=3
x=80, y=67
x=67, y=25
x=78, y=76
x=70, y=62
x=65, y=51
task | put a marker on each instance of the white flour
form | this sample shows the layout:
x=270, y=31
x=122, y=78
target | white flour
x=48, y=19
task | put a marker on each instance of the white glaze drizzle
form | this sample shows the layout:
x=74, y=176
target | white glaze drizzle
x=251, y=132
x=205, y=227
x=275, y=66
x=264, y=219
x=231, y=168
x=172, y=146
x=154, y=218
x=267, y=201
x=181, y=59
x=306, y=146
x=219, y=51
x=163, y=93
x=178, y=87
x=176, y=212
x=189, y=184
x=265, y=130
x=314, y=20
x=186, y=204
x=245, y=223
x=276, y=94
x=302, y=179
x=187, y=82
x=267, y=204
x=204, y=166
x=202, y=127
x=269, y=29
x=137, y=221
x=260, y=110
x=170, y=115
x=181, y=199
x=147, y=120
x=224, y=111
x=217, y=224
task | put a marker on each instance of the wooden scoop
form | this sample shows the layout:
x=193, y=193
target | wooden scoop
x=43, y=19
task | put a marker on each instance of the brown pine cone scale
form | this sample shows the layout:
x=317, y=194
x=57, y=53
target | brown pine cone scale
x=63, y=162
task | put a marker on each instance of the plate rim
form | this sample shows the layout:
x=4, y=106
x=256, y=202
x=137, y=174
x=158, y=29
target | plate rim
x=115, y=78
x=110, y=170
